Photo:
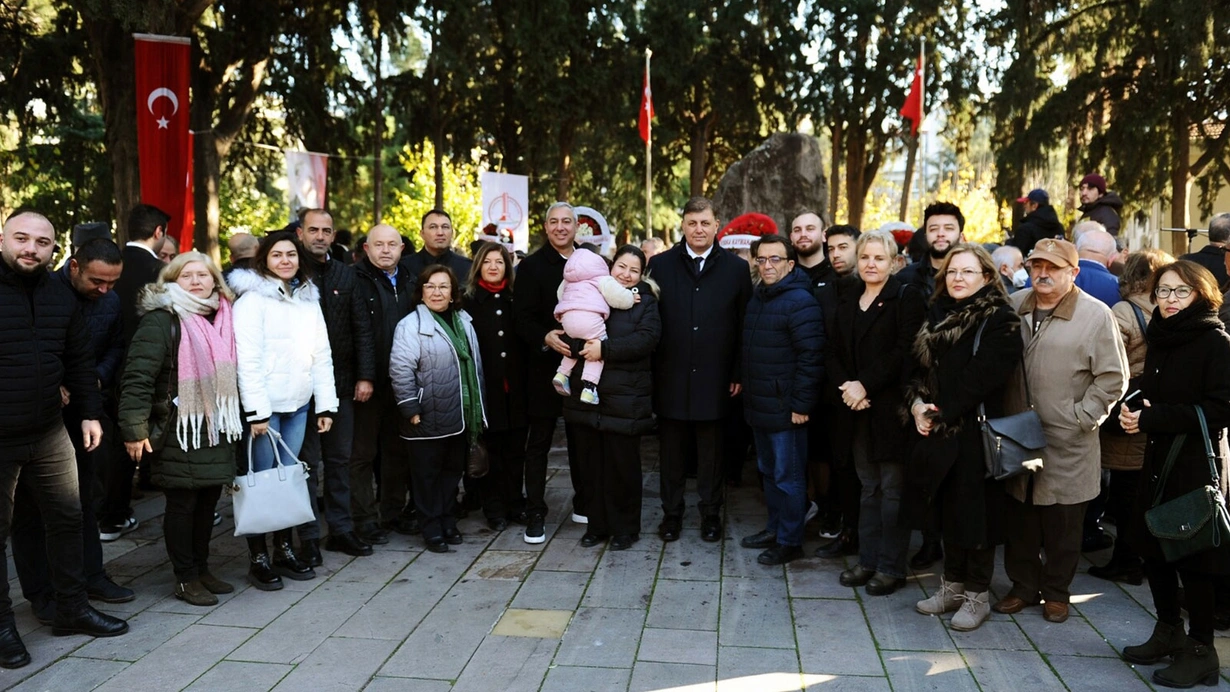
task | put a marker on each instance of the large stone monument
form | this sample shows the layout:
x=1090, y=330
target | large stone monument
x=780, y=178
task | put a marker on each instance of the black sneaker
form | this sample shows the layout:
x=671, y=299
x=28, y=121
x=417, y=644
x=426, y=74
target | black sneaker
x=535, y=529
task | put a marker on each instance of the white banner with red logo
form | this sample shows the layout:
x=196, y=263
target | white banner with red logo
x=506, y=203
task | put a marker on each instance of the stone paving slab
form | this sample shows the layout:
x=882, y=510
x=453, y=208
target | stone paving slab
x=682, y=616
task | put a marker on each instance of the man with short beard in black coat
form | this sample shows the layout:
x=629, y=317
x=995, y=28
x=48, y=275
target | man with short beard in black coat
x=354, y=370
x=705, y=290
x=45, y=349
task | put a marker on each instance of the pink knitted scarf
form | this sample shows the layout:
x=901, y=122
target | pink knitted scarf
x=208, y=383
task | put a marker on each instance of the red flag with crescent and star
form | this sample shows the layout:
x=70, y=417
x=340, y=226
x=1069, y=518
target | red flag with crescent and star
x=646, y=115
x=164, y=144
x=912, y=110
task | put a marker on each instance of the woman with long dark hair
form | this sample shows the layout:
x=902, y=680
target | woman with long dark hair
x=1185, y=367
x=608, y=436
x=284, y=360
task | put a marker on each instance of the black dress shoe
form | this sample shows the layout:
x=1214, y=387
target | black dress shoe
x=591, y=539
x=780, y=554
x=764, y=539
x=856, y=576
x=623, y=541
x=347, y=543
x=286, y=563
x=309, y=552
x=45, y=613
x=880, y=585
x=711, y=529
x=497, y=523
x=436, y=544
x=372, y=534
x=520, y=518
x=13, y=652
x=108, y=591
x=930, y=553
x=1097, y=541
x=452, y=536
x=86, y=620
x=406, y=526
x=669, y=529
x=845, y=544
x=1113, y=571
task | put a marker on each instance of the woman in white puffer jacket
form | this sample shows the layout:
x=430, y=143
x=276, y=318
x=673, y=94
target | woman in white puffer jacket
x=283, y=359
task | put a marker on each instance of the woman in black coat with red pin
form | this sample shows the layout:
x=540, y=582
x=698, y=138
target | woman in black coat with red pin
x=1185, y=367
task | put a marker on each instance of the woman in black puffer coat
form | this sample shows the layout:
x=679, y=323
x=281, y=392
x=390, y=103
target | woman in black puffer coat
x=608, y=436
x=1185, y=366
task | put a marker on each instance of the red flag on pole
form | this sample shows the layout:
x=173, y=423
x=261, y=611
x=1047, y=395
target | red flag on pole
x=913, y=108
x=164, y=145
x=646, y=116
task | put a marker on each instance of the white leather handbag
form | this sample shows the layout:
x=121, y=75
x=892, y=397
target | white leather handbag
x=273, y=499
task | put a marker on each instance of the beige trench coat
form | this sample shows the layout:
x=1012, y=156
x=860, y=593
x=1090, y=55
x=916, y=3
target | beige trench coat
x=1127, y=452
x=1077, y=369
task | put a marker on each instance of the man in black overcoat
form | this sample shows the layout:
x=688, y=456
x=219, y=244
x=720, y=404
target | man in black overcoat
x=705, y=290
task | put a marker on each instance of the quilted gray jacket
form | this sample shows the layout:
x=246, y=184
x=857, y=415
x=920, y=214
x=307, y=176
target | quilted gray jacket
x=426, y=376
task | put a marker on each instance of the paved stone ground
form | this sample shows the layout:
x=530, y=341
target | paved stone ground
x=501, y=615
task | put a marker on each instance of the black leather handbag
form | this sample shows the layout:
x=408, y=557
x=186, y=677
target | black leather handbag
x=1195, y=521
x=1010, y=441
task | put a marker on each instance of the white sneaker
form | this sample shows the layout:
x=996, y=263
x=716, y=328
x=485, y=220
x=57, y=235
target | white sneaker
x=946, y=600
x=579, y=518
x=113, y=532
x=812, y=511
x=974, y=611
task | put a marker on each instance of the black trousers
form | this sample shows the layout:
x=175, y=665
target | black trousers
x=49, y=467
x=1198, y=597
x=537, y=449
x=115, y=471
x=613, y=471
x=1120, y=502
x=328, y=455
x=187, y=527
x=500, y=489
x=1032, y=529
x=677, y=438
x=974, y=567
x=29, y=541
x=375, y=435
x=436, y=467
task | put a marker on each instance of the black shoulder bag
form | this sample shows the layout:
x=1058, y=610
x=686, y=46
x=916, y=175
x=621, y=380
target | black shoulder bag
x=1009, y=442
x=1195, y=521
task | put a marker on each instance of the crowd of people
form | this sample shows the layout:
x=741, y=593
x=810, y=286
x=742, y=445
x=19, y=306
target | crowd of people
x=861, y=380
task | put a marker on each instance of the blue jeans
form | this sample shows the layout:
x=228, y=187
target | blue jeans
x=782, y=459
x=291, y=426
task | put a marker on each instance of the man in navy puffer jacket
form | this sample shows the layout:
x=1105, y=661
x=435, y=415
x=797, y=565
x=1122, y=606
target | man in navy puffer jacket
x=783, y=343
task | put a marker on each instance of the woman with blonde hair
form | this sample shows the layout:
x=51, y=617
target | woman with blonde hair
x=179, y=397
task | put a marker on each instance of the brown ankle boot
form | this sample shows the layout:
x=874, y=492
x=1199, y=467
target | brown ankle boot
x=1167, y=640
x=1195, y=663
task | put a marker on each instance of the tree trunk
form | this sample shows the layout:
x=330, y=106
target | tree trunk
x=1181, y=153
x=207, y=183
x=856, y=187
x=113, y=65
x=438, y=165
x=837, y=134
x=700, y=160
x=907, y=185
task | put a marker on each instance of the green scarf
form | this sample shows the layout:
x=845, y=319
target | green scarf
x=471, y=397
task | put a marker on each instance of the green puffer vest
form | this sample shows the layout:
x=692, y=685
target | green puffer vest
x=146, y=410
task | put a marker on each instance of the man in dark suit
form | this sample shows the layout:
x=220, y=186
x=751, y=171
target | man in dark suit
x=437, y=234
x=1213, y=255
x=705, y=290
x=147, y=226
x=538, y=279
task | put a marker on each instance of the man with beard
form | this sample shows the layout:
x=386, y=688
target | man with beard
x=944, y=227
x=807, y=237
x=1098, y=204
x=354, y=372
x=45, y=350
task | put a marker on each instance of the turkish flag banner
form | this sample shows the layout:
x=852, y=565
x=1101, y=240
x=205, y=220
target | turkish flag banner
x=646, y=116
x=164, y=145
x=913, y=108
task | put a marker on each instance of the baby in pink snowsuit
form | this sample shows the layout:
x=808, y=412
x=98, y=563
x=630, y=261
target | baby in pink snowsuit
x=586, y=297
